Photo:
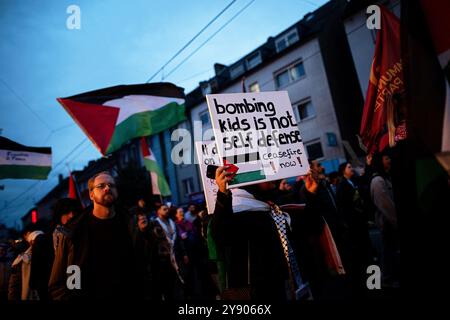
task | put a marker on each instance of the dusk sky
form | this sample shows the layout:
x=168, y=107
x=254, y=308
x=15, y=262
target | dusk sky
x=120, y=42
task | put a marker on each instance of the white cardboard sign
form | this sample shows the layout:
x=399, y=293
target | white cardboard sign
x=258, y=133
x=207, y=155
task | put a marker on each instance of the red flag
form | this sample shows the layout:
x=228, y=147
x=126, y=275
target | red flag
x=72, y=188
x=382, y=122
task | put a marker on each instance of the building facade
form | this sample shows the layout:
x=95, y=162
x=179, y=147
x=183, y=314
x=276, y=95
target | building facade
x=323, y=62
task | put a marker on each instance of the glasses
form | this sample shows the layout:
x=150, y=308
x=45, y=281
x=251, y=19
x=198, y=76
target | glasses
x=103, y=186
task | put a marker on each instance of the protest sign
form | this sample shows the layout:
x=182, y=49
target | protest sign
x=207, y=155
x=258, y=133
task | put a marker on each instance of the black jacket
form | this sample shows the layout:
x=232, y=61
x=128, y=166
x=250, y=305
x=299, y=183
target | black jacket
x=235, y=234
x=73, y=249
x=41, y=264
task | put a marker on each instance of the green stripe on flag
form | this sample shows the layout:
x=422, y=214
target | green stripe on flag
x=248, y=177
x=24, y=172
x=146, y=123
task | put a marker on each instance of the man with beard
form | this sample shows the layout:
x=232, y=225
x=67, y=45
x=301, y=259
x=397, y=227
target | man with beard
x=99, y=243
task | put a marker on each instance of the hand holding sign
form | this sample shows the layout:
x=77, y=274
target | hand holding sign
x=311, y=182
x=223, y=177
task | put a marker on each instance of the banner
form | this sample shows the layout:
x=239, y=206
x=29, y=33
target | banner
x=23, y=162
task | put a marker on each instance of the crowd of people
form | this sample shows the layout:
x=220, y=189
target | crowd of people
x=302, y=239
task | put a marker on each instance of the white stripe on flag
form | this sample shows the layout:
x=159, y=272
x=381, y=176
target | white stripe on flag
x=25, y=158
x=132, y=104
x=155, y=186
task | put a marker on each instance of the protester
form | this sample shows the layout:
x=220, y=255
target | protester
x=386, y=219
x=285, y=193
x=351, y=209
x=186, y=234
x=162, y=243
x=99, y=243
x=142, y=207
x=363, y=182
x=257, y=238
x=16, y=287
x=204, y=286
x=64, y=210
x=32, y=267
x=191, y=214
x=321, y=201
x=5, y=267
x=333, y=179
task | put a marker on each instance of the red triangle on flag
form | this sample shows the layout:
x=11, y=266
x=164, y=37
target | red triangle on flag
x=97, y=121
x=144, y=147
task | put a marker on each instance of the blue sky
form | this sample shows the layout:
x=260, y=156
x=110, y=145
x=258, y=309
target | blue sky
x=120, y=42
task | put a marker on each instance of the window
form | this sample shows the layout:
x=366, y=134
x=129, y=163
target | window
x=253, y=60
x=286, y=40
x=282, y=79
x=305, y=110
x=289, y=75
x=236, y=71
x=314, y=150
x=188, y=186
x=254, y=87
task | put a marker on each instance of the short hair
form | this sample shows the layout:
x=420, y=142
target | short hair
x=160, y=205
x=92, y=180
x=333, y=175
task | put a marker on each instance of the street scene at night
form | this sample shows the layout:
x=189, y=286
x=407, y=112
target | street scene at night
x=242, y=154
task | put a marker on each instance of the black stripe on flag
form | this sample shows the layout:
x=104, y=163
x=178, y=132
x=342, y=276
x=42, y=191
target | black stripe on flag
x=160, y=89
x=243, y=158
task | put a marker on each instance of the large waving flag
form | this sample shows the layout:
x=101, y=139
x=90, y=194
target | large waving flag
x=21, y=162
x=159, y=182
x=112, y=116
x=383, y=122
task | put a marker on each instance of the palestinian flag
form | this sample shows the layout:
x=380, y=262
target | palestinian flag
x=112, y=116
x=159, y=182
x=21, y=162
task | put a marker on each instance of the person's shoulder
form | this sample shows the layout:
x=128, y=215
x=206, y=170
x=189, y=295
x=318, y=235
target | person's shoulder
x=376, y=178
x=76, y=223
x=377, y=181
